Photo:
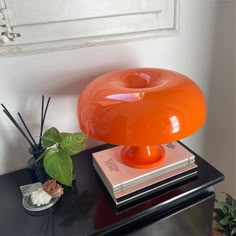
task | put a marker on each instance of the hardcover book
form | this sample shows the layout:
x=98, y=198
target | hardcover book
x=118, y=176
x=154, y=185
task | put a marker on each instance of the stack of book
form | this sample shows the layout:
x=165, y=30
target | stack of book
x=126, y=184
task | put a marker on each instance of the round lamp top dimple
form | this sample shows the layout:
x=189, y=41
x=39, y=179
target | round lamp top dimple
x=143, y=106
x=141, y=80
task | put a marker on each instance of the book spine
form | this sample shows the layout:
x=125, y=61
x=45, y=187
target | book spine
x=153, y=174
x=126, y=196
x=146, y=191
x=104, y=180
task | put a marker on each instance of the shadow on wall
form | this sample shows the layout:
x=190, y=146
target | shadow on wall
x=73, y=83
x=63, y=76
x=220, y=138
x=120, y=57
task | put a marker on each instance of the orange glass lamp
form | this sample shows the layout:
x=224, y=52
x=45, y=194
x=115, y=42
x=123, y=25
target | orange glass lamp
x=141, y=109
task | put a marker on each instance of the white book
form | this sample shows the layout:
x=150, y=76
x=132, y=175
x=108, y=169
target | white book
x=154, y=185
x=118, y=176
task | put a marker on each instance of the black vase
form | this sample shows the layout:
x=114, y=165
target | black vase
x=35, y=166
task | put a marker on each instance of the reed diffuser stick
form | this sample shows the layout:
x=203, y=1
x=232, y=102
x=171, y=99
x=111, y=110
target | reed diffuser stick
x=35, y=147
x=41, y=123
x=22, y=120
x=17, y=125
x=44, y=116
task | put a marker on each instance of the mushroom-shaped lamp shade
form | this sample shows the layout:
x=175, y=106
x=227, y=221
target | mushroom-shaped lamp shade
x=141, y=108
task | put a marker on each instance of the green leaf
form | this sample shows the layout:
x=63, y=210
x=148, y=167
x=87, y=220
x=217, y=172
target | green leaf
x=58, y=165
x=43, y=154
x=233, y=231
x=225, y=208
x=73, y=143
x=232, y=212
x=224, y=221
x=51, y=137
x=63, y=134
x=228, y=199
x=218, y=212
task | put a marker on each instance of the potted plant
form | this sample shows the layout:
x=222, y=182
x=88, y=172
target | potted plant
x=52, y=154
x=57, y=156
x=225, y=216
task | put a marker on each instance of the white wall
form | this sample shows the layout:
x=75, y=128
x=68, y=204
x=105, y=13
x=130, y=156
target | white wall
x=204, y=51
x=220, y=131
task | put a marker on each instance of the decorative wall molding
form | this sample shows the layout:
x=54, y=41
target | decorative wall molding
x=41, y=26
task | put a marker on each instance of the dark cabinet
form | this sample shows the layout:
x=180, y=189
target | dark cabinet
x=192, y=218
x=87, y=209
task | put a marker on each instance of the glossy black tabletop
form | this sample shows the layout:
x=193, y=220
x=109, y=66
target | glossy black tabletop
x=86, y=208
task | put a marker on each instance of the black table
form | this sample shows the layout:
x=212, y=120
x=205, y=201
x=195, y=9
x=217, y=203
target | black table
x=87, y=209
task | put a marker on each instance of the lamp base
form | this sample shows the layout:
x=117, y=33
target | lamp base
x=143, y=157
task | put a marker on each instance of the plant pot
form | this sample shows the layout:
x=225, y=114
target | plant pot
x=35, y=167
x=36, y=170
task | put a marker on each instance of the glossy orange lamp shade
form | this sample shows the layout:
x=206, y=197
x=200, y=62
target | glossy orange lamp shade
x=141, y=108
